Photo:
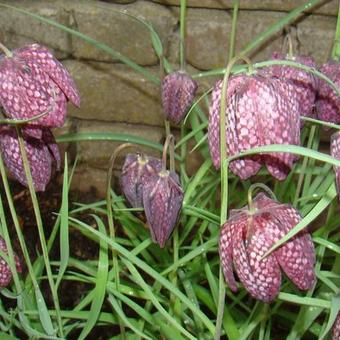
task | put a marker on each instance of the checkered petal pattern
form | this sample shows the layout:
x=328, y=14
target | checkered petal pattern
x=41, y=153
x=32, y=82
x=328, y=102
x=162, y=200
x=335, y=152
x=136, y=169
x=247, y=236
x=260, y=111
x=5, y=271
x=178, y=93
x=305, y=83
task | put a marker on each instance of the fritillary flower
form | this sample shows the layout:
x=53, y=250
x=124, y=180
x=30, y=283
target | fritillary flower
x=136, y=169
x=5, y=271
x=305, y=83
x=32, y=82
x=260, y=111
x=178, y=92
x=42, y=154
x=336, y=328
x=328, y=101
x=335, y=152
x=162, y=201
x=249, y=234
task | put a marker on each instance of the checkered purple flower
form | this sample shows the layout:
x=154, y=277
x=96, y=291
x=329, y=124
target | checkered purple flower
x=328, y=102
x=42, y=155
x=162, y=200
x=248, y=235
x=305, y=83
x=260, y=111
x=136, y=169
x=5, y=271
x=178, y=92
x=32, y=82
x=335, y=152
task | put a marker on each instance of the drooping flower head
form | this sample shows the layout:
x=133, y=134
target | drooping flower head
x=335, y=152
x=328, y=101
x=178, y=92
x=163, y=197
x=32, y=82
x=260, y=111
x=136, y=169
x=305, y=83
x=248, y=235
x=162, y=200
x=42, y=154
x=5, y=271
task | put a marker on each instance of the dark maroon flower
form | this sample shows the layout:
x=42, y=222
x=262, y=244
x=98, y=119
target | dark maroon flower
x=336, y=328
x=162, y=200
x=178, y=92
x=32, y=82
x=305, y=83
x=136, y=169
x=260, y=111
x=328, y=102
x=248, y=235
x=5, y=271
x=41, y=154
x=335, y=152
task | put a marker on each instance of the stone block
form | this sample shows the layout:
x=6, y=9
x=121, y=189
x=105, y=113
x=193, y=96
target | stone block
x=18, y=29
x=329, y=7
x=316, y=34
x=98, y=153
x=114, y=92
x=125, y=35
x=209, y=30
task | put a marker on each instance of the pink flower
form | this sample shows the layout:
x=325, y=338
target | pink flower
x=248, y=235
x=32, y=82
x=5, y=271
x=335, y=152
x=41, y=153
x=305, y=83
x=162, y=201
x=178, y=93
x=136, y=169
x=328, y=102
x=260, y=111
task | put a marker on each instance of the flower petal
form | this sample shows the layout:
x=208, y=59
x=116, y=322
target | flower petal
x=335, y=152
x=262, y=278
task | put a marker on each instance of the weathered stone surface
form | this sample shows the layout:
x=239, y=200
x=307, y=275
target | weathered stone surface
x=97, y=153
x=123, y=34
x=113, y=92
x=208, y=35
x=18, y=29
x=87, y=179
x=316, y=34
x=119, y=1
x=329, y=7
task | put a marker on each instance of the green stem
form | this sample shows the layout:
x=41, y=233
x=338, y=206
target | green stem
x=233, y=29
x=336, y=46
x=40, y=228
x=18, y=231
x=251, y=189
x=304, y=166
x=7, y=52
x=182, y=34
x=169, y=143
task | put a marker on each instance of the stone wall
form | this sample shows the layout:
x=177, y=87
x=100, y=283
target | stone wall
x=117, y=99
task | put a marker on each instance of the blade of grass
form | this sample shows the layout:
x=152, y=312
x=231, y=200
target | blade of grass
x=101, y=280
